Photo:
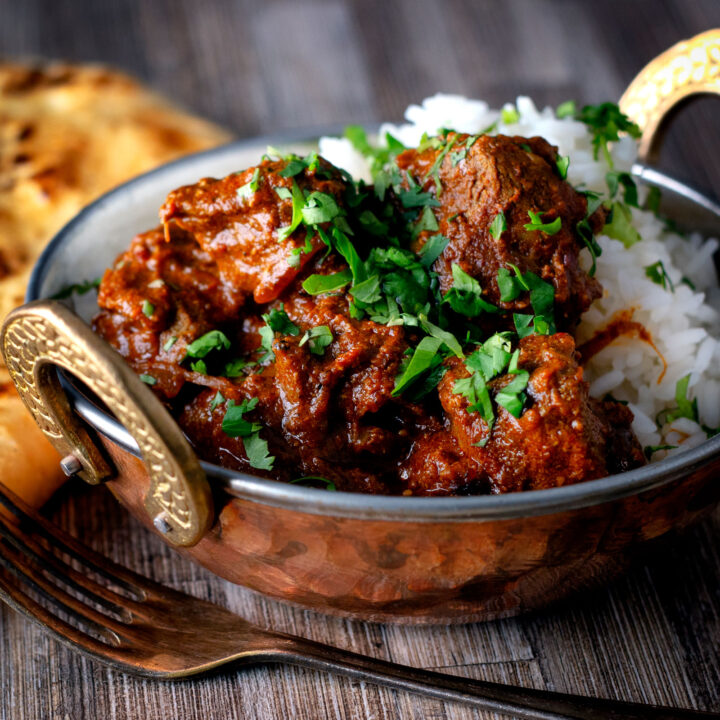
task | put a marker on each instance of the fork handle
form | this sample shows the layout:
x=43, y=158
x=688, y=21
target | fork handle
x=525, y=703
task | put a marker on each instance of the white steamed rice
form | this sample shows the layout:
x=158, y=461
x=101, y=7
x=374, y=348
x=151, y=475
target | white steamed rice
x=684, y=324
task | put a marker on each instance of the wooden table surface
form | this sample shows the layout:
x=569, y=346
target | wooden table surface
x=654, y=635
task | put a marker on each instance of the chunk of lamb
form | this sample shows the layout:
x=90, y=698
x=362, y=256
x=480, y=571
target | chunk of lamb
x=329, y=413
x=159, y=296
x=562, y=437
x=239, y=221
x=513, y=176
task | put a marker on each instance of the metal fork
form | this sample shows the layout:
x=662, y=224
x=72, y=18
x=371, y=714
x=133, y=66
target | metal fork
x=138, y=626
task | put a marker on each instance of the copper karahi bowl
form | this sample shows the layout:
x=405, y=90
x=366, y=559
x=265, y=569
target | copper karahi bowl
x=380, y=558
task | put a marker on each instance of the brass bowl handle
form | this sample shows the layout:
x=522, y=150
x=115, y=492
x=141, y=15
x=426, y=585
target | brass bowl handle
x=691, y=67
x=44, y=334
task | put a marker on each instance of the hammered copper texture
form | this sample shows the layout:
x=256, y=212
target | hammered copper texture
x=429, y=572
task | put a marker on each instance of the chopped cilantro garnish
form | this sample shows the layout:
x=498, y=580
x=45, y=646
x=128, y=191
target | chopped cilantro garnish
x=235, y=368
x=536, y=223
x=465, y=296
x=199, y=366
x=474, y=390
x=510, y=115
x=414, y=197
x=235, y=425
x=77, y=289
x=319, y=208
x=276, y=320
x=318, y=284
x=250, y=188
x=218, y=400
x=378, y=157
x=433, y=249
x=619, y=225
x=284, y=193
x=213, y=340
x=512, y=396
x=562, y=164
x=309, y=479
x=657, y=273
x=169, y=343
x=606, y=122
x=650, y=450
x=542, y=301
x=257, y=452
x=427, y=221
x=148, y=379
x=584, y=230
x=420, y=362
x=298, y=202
x=317, y=338
x=566, y=109
x=498, y=226
x=685, y=408
x=615, y=179
x=652, y=202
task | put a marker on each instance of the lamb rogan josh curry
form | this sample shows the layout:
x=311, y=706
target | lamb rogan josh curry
x=409, y=337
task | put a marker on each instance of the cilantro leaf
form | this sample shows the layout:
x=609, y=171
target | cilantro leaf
x=235, y=368
x=562, y=164
x=606, y=121
x=318, y=284
x=657, y=273
x=318, y=338
x=465, y=296
x=279, y=321
x=257, y=452
x=498, y=226
x=78, y=288
x=685, y=408
x=510, y=115
x=512, y=396
x=433, y=249
x=615, y=179
x=218, y=400
x=427, y=221
x=420, y=361
x=450, y=341
x=584, y=230
x=650, y=450
x=566, y=109
x=199, y=366
x=475, y=391
x=319, y=208
x=537, y=224
x=298, y=202
x=276, y=320
x=213, y=340
x=329, y=484
x=619, y=225
x=250, y=188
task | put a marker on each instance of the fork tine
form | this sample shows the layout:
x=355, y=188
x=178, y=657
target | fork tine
x=127, y=579
x=11, y=561
x=43, y=557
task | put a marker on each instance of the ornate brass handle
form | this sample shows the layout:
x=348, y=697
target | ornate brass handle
x=44, y=334
x=689, y=68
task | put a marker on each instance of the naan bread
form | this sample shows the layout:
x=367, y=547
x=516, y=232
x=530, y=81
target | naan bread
x=68, y=133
